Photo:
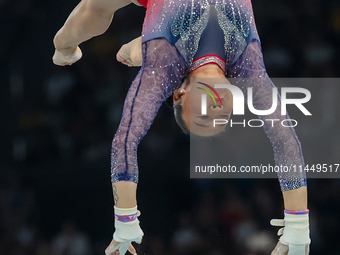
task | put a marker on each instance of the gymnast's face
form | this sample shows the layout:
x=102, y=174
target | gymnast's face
x=189, y=96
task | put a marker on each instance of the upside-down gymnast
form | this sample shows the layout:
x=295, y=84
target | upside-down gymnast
x=190, y=40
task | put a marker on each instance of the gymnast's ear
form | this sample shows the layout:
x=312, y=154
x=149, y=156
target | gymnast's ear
x=177, y=97
x=179, y=93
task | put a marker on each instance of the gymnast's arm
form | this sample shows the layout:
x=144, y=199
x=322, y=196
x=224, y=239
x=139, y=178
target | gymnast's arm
x=88, y=19
x=286, y=146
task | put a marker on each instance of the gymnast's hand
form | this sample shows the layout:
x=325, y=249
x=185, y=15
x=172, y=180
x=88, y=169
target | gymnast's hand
x=130, y=54
x=114, y=248
x=282, y=249
x=127, y=231
x=295, y=235
x=67, y=56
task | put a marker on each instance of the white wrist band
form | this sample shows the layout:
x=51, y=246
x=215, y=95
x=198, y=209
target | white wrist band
x=129, y=230
x=125, y=211
x=296, y=229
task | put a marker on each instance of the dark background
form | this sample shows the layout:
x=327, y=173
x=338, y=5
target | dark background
x=57, y=124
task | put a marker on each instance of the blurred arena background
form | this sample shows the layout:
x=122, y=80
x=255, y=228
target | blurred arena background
x=57, y=124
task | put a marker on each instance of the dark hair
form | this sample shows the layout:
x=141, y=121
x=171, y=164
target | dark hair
x=178, y=112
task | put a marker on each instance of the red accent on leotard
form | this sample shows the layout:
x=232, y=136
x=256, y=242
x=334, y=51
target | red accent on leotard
x=207, y=59
x=143, y=2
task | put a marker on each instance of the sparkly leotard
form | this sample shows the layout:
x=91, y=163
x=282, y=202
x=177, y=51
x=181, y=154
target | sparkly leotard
x=211, y=45
x=173, y=37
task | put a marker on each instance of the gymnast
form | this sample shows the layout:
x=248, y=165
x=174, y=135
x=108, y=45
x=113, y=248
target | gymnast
x=186, y=42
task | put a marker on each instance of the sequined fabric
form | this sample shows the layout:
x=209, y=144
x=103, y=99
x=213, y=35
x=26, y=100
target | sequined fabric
x=207, y=60
x=162, y=72
x=182, y=23
x=249, y=71
x=171, y=36
x=211, y=44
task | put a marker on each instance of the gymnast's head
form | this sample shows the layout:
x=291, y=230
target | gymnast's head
x=188, y=103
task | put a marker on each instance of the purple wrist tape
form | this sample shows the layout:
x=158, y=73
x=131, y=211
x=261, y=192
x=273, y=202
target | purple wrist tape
x=297, y=212
x=126, y=218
